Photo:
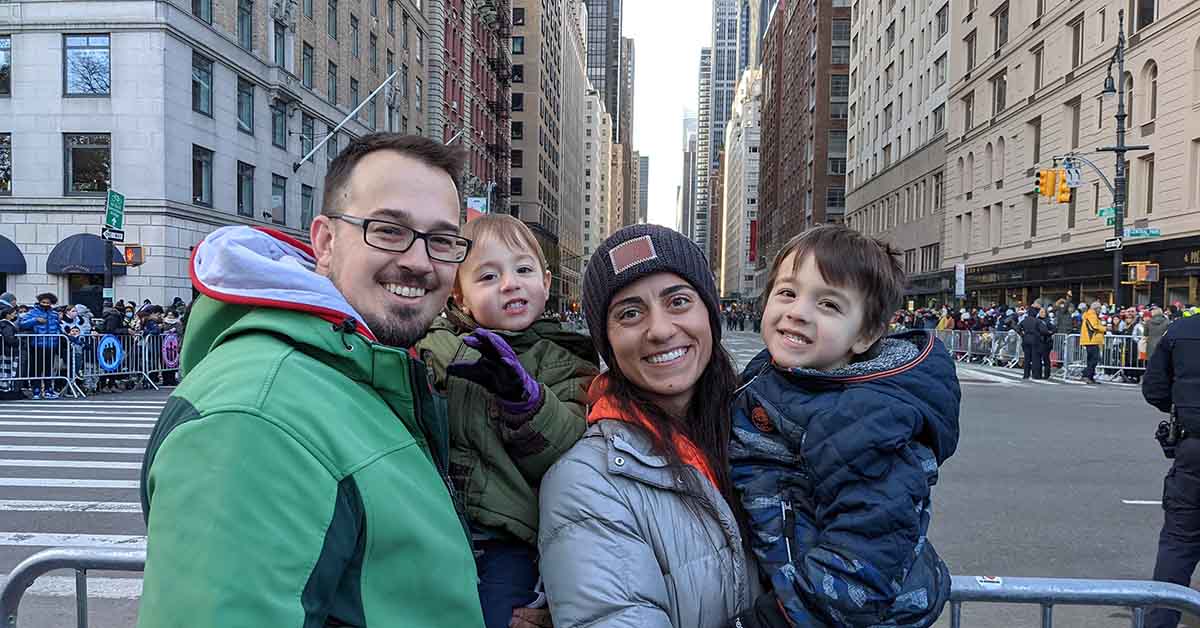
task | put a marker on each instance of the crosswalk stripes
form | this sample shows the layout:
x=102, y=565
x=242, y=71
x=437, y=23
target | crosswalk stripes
x=69, y=477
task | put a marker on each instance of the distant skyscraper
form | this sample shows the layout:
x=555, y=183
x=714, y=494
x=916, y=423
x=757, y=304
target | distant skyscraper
x=687, y=189
x=604, y=56
x=701, y=171
x=724, y=72
x=643, y=188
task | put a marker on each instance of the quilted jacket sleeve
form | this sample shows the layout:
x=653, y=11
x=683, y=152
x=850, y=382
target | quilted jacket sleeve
x=871, y=515
x=598, y=570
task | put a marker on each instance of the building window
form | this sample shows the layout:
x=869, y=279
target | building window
x=1152, y=77
x=1071, y=211
x=518, y=101
x=835, y=199
x=939, y=68
x=518, y=17
x=374, y=8
x=306, y=207
x=1145, y=13
x=331, y=147
x=281, y=44
x=5, y=164
x=391, y=62
x=943, y=20
x=1101, y=17
x=306, y=66
x=278, y=199
x=87, y=60
x=518, y=158
x=518, y=73
x=1073, y=111
x=1000, y=22
x=999, y=92
x=202, y=9
x=245, y=24
x=354, y=36
x=517, y=186
x=353, y=93
x=1148, y=162
x=420, y=45
x=202, y=75
x=202, y=176
x=308, y=9
x=968, y=102
x=331, y=19
x=1033, y=215
x=373, y=52
x=518, y=44
x=1129, y=99
x=5, y=65
x=308, y=132
x=1039, y=55
x=518, y=130
x=1035, y=129
x=417, y=93
x=404, y=29
x=278, y=126
x=245, y=106
x=837, y=152
x=1077, y=42
x=88, y=163
x=333, y=83
x=391, y=16
x=245, y=190
x=969, y=43
x=939, y=118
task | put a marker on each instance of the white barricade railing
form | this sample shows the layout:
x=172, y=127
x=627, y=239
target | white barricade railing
x=41, y=362
x=76, y=365
x=1119, y=357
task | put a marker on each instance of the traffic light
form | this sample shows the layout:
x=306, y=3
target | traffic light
x=1064, y=192
x=1046, y=186
x=1037, y=182
x=134, y=256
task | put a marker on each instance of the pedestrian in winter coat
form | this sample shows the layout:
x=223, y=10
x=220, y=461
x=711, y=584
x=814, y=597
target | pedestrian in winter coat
x=1155, y=328
x=1030, y=329
x=1091, y=338
x=46, y=346
x=838, y=436
x=298, y=474
x=10, y=354
x=636, y=528
x=1047, y=342
x=517, y=386
x=1062, y=317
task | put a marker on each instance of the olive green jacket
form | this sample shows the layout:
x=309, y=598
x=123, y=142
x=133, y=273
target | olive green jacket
x=497, y=460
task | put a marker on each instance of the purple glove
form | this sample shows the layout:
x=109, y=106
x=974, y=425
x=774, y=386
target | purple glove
x=499, y=371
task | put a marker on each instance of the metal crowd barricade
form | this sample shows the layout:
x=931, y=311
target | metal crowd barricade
x=118, y=356
x=39, y=361
x=79, y=559
x=1136, y=595
x=1120, y=357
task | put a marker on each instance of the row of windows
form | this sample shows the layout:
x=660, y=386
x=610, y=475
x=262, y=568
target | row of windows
x=914, y=202
x=202, y=190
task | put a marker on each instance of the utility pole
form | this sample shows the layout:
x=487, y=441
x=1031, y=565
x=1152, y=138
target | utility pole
x=1120, y=182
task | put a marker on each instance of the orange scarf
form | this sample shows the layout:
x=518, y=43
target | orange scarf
x=605, y=407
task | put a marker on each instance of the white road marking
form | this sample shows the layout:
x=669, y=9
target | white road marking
x=75, y=403
x=72, y=436
x=70, y=464
x=81, y=417
x=67, y=483
x=1141, y=502
x=98, y=588
x=82, y=412
x=986, y=376
x=146, y=425
x=67, y=449
x=20, y=505
x=47, y=539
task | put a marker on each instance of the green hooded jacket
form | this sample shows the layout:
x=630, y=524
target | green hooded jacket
x=292, y=479
x=497, y=460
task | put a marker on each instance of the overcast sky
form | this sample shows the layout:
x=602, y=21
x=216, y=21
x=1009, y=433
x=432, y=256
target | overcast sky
x=668, y=36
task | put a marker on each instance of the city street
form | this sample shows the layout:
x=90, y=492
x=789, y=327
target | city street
x=1050, y=479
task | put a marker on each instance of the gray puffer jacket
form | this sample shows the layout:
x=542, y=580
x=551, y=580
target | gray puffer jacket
x=621, y=547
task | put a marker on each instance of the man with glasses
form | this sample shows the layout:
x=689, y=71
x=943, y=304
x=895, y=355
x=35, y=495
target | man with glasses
x=297, y=476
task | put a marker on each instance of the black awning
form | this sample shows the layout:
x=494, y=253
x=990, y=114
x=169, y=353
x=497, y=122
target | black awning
x=12, y=261
x=83, y=254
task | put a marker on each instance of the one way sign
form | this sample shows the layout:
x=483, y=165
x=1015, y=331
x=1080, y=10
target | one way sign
x=1113, y=244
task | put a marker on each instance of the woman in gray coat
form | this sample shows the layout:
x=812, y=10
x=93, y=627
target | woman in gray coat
x=636, y=529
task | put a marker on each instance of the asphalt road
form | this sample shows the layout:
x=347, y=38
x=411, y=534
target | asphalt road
x=1050, y=479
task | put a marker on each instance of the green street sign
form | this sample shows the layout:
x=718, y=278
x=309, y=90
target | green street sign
x=1107, y=212
x=114, y=214
x=1143, y=233
x=1110, y=221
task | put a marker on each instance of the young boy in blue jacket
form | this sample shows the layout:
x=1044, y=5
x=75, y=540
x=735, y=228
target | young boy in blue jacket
x=838, y=433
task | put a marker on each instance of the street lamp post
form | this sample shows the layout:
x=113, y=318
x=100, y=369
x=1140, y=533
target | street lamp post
x=1120, y=182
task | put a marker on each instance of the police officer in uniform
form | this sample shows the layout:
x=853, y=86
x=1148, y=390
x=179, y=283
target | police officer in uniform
x=1030, y=329
x=1173, y=379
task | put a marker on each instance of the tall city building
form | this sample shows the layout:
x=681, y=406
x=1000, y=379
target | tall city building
x=896, y=155
x=199, y=113
x=687, y=189
x=628, y=199
x=1026, y=81
x=716, y=241
x=804, y=117
x=643, y=188
x=718, y=74
x=742, y=141
x=635, y=184
x=597, y=142
x=618, y=185
x=574, y=93
x=474, y=52
x=537, y=137
x=701, y=171
x=752, y=27
x=604, y=56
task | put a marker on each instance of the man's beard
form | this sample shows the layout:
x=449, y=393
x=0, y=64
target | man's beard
x=401, y=327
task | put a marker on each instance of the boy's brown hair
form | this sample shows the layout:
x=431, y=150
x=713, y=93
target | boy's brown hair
x=507, y=229
x=846, y=257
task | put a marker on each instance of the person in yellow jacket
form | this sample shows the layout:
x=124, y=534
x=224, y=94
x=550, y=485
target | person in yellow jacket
x=1091, y=338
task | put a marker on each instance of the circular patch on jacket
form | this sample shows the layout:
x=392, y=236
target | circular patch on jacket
x=760, y=419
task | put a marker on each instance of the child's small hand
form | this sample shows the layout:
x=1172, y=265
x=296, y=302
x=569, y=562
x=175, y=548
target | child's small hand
x=499, y=371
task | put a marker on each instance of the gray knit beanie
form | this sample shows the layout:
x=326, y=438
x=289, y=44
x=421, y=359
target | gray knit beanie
x=9, y=298
x=635, y=252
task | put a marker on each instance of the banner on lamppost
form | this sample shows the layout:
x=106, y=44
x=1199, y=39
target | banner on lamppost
x=960, y=281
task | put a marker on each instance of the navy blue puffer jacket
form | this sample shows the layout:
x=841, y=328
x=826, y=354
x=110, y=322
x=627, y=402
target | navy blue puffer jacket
x=835, y=471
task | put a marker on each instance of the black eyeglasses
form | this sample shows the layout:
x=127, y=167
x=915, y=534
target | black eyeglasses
x=397, y=238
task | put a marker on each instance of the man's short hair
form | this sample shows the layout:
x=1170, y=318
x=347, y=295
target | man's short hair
x=846, y=257
x=434, y=154
x=47, y=296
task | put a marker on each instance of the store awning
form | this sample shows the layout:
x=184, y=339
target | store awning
x=82, y=254
x=12, y=261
